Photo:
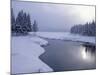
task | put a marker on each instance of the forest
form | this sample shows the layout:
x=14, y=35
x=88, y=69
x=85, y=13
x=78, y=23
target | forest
x=21, y=25
x=87, y=29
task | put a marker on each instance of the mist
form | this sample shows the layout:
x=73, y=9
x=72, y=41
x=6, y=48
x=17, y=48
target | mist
x=55, y=17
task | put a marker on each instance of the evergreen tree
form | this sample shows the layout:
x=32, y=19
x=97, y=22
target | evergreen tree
x=24, y=25
x=35, y=27
x=23, y=22
x=20, y=19
x=19, y=22
x=28, y=23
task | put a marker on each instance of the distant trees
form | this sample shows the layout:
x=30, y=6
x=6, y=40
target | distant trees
x=22, y=23
x=88, y=29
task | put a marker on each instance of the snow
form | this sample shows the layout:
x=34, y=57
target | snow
x=67, y=36
x=27, y=49
x=39, y=41
x=25, y=55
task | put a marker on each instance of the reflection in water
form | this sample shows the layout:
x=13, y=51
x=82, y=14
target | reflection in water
x=68, y=55
x=88, y=52
x=84, y=54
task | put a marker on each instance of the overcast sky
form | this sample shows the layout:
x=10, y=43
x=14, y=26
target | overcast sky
x=55, y=17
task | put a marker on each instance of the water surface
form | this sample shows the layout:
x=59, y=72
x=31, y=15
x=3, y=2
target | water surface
x=68, y=55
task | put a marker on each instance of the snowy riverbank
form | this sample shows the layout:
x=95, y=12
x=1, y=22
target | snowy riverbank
x=67, y=36
x=27, y=49
x=25, y=55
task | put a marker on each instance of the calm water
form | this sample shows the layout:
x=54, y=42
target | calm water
x=68, y=55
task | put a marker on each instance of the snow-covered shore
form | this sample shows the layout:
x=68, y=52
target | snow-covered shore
x=25, y=55
x=67, y=36
x=39, y=41
x=27, y=49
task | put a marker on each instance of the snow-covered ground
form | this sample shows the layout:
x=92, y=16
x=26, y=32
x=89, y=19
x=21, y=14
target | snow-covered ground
x=67, y=36
x=39, y=41
x=25, y=55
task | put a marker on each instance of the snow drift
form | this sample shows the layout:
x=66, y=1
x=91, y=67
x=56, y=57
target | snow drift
x=25, y=55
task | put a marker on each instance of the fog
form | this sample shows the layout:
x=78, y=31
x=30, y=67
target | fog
x=55, y=17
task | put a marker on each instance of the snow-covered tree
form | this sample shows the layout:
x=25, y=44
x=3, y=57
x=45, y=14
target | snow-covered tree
x=29, y=28
x=20, y=18
x=23, y=22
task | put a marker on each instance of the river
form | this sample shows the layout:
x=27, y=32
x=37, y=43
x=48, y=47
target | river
x=67, y=55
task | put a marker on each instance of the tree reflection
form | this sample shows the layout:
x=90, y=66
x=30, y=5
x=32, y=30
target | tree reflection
x=89, y=51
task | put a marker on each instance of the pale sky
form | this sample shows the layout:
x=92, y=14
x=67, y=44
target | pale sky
x=55, y=17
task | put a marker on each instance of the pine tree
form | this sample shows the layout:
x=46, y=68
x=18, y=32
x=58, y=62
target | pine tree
x=19, y=22
x=19, y=19
x=35, y=27
x=28, y=23
x=24, y=25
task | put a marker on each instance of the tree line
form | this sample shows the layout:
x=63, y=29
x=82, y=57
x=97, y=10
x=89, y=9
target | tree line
x=88, y=29
x=22, y=23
